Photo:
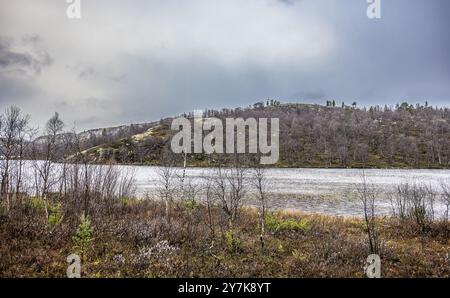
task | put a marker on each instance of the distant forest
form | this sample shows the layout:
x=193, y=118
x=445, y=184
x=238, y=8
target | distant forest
x=404, y=136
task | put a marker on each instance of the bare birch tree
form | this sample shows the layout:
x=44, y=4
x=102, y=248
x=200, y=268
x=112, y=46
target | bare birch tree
x=260, y=183
x=367, y=195
x=45, y=174
x=13, y=128
x=166, y=186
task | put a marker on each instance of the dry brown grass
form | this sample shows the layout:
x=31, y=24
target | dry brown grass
x=134, y=239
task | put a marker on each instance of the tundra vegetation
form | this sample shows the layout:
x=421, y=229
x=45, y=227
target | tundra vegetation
x=65, y=203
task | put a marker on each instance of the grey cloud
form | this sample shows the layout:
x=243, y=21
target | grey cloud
x=86, y=122
x=13, y=90
x=98, y=103
x=32, y=61
x=86, y=73
x=32, y=39
x=310, y=95
x=9, y=58
x=288, y=2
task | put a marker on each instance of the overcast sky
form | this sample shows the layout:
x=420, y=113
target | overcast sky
x=138, y=61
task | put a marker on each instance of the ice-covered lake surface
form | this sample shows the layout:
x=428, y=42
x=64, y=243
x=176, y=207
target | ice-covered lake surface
x=328, y=191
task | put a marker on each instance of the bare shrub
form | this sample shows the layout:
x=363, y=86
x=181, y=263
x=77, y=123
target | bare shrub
x=167, y=185
x=210, y=203
x=229, y=187
x=367, y=195
x=127, y=184
x=45, y=175
x=446, y=200
x=260, y=183
x=107, y=186
x=14, y=134
x=415, y=202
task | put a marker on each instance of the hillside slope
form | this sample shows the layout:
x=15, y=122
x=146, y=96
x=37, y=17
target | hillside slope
x=314, y=136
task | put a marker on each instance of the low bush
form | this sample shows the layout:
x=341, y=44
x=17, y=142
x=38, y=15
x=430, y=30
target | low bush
x=233, y=241
x=277, y=223
x=55, y=215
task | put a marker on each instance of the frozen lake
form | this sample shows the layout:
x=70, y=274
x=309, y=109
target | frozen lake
x=329, y=191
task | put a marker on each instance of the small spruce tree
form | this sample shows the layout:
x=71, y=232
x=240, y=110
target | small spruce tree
x=83, y=238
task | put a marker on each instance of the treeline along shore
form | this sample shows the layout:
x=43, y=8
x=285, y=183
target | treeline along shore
x=311, y=136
